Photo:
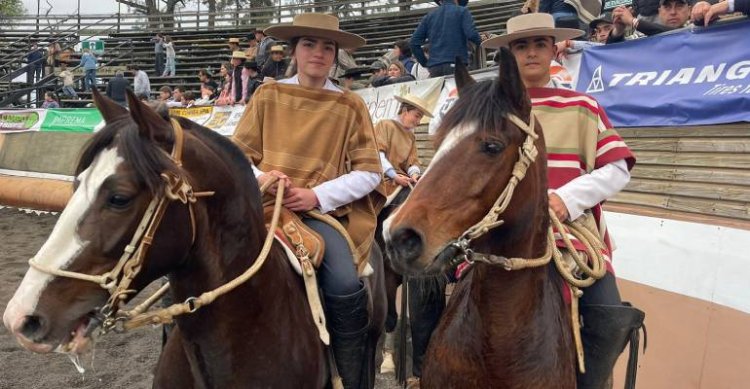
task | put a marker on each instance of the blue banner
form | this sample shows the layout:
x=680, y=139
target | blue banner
x=689, y=77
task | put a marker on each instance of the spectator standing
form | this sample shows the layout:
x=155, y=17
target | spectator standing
x=647, y=10
x=207, y=93
x=116, y=88
x=234, y=44
x=402, y=51
x=88, y=63
x=239, y=77
x=141, y=83
x=53, y=57
x=252, y=47
x=448, y=28
x=67, y=79
x=265, y=42
x=50, y=101
x=34, y=59
x=224, y=70
x=170, y=70
x=158, y=53
x=225, y=96
x=276, y=66
x=601, y=27
x=344, y=61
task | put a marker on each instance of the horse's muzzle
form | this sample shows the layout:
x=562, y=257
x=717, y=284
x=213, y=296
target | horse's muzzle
x=404, y=247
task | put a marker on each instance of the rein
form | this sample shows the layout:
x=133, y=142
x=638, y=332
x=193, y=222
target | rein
x=574, y=268
x=117, y=281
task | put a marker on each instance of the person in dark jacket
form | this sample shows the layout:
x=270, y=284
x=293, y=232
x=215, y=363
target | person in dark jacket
x=705, y=13
x=448, y=28
x=116, y=88
x=404, y=54
x=34, y=59
x=275, y=66
x=255, y=79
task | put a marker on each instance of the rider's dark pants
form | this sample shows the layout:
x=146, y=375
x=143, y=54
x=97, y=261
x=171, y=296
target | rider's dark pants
x=603, y=292
x=337, y=275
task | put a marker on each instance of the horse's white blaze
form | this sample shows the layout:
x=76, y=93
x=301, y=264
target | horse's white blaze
x=454, y=137
x=64, y=244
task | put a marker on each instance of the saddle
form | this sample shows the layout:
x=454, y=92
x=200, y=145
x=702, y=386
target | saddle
x=295, y=235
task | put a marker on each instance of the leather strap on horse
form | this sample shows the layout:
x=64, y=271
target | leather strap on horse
x=192, y=304
x=574, y=268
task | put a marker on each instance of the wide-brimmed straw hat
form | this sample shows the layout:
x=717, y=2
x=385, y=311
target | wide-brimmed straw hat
x=415, y=101
x=239, y=54
x=530, y=25
x=234, y=40
x=316, y=25
x=277, y=48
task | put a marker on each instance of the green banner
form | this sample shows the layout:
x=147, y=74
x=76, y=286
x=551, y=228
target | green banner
x=72, y=120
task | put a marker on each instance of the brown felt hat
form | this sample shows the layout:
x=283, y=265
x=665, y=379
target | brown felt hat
x=316, y=25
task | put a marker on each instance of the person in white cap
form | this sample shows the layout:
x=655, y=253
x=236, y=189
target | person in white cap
x=319, y=141
x=588, y=163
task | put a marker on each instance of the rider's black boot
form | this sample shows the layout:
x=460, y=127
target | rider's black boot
x=349, y=323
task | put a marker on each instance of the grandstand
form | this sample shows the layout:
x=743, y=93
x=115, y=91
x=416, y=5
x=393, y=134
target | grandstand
x=198, y=45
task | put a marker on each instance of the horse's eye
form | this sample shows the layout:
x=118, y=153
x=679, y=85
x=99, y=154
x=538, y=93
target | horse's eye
x=118, y=201
x=492, y=147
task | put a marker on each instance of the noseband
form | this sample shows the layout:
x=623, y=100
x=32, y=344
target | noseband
x=117, y=281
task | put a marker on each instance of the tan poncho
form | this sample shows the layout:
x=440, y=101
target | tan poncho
x=314, y=136
x=399, y=146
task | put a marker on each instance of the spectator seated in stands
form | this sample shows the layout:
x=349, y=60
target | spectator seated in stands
x=239, y=76
x=225, y=95
x=254, y=79
x=116, y=88
x=178, y=99
x=673, y=14
x=276, y=66
x=141, y=83
x=705, y=13
x=418, y=71
x=601, y=27
x=67, y=79
x=207, y=93
x=188, y=99
x=396, y=74
x=205, y=78
x=378, y=69
x=448, y=29
x=50, y=101
x=165, y=94
x=402, y=51
x=559, y=9
x=347, y=80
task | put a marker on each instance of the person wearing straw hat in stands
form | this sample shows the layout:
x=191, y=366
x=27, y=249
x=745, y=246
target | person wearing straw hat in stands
x=275, y=66
x=234, y=44
x=239, y=79
x=588, y=163
x=319, y=140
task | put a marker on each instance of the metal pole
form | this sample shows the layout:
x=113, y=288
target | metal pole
x=38, y=5
x=79, y=15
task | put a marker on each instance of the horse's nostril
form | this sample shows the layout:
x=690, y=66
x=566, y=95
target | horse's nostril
x=31, y=327
x=407, y=244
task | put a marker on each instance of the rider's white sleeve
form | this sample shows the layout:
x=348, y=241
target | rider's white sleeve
x=590, y=189
x=345, y=189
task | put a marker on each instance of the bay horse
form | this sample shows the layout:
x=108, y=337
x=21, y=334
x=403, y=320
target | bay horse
x=501, y=329
x=261, y=334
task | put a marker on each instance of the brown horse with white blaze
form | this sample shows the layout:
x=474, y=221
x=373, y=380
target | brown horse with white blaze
x=261, y=334
x=501, y=329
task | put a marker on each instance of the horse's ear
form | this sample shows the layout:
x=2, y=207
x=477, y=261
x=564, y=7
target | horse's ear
x=462, y=76
x=107, y=107
x=151, y=125
x=510, y=83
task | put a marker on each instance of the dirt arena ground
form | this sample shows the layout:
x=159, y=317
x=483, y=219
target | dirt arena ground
x=120, y=360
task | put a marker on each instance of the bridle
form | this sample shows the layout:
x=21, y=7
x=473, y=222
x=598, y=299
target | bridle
x=118, y=280
x=574, y=268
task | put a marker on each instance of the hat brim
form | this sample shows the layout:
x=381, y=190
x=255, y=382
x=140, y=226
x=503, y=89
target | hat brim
x=414, y=104
x=345, y=40
x=560, y=34
x=597, y=22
